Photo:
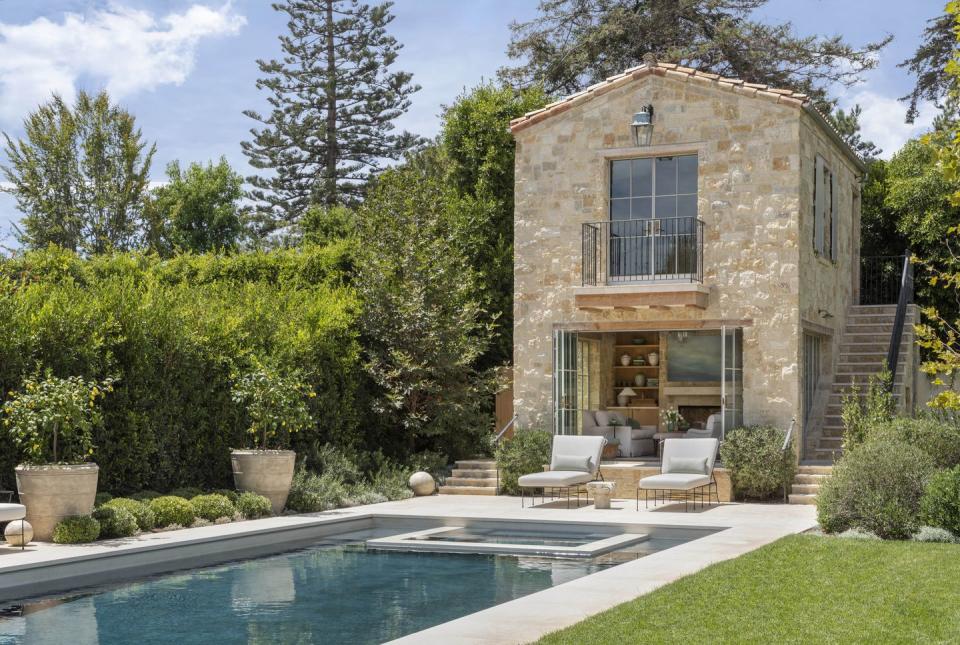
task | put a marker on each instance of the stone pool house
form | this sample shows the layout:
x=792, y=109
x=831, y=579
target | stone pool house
x=695, y=239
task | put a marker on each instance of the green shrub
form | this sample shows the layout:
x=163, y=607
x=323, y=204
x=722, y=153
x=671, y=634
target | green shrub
x=313, y=493
x=940, y=506
x=759, y=468
x=935, y=534
x=115, y=522
x=146, y=521
x=188, y=492
x=229, y=493
x=146, y=495
x=102, y=498
x=861, y=414
x=76, y=530
x=876, y=487
x=212, y=507
x=172, y=510
x=252, y=506
x=391, y=482
x=938, y=438
x=524, y=453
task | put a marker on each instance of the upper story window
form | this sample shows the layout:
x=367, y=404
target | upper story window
x=825, y=202
x=653, y=187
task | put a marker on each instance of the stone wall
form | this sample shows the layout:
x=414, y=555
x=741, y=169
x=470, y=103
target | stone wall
x=749, y=199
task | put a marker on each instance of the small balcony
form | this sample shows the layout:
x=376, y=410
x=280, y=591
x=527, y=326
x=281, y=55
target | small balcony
x=643, y=263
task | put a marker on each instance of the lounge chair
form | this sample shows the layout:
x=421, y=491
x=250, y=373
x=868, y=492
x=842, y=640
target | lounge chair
x=12, y=513
x=574, y=461
x=687, y=468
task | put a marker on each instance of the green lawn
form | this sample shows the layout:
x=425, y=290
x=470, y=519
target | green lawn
x=801, y=589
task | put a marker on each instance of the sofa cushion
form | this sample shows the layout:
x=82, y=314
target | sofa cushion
x=554, y=478
x=645, y=432
x=571, y=462
x=602, y=417
x=674, y=481
x=690, y=465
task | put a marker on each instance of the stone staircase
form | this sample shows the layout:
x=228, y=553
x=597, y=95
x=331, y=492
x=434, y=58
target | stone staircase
x=806, y=483
x=472, y=477
x=863, y=352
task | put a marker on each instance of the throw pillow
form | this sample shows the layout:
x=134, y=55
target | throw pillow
x=687, y=465
x=571, y=462
x=603, y=418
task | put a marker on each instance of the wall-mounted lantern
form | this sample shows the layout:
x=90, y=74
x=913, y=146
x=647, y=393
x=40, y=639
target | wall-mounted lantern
x=642, y=126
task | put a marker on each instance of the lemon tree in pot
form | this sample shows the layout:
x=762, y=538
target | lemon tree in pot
x=276, y=405
x=51, y=421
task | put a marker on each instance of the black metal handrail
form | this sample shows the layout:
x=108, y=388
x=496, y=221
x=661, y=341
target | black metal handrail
x=643, y=250
x=880, y=279
x=904, y=298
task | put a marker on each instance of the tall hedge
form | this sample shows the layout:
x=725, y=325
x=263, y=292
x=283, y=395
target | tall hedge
x=175, y=333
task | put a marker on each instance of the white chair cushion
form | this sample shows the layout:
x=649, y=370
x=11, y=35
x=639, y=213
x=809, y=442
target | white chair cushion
x=580, y=446
x=690, y=449
x=674, y=481
x=10, y=512
x=554, y=478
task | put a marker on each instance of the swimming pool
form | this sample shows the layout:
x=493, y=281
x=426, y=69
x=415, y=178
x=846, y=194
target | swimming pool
x=336, y=591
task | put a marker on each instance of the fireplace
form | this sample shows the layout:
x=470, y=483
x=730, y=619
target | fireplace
x=696, y=415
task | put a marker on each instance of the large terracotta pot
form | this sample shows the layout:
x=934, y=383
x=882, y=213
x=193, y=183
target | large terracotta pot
x=265, y=472
x=54, y=492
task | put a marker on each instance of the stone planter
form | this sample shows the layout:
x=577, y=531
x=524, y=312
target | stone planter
x=265, y=472
x=54, y=492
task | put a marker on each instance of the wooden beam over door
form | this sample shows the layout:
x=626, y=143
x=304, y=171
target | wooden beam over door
x=655, y=325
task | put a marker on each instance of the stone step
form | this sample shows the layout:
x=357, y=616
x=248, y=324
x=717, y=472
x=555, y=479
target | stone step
x=873, y=309
x=810, y=478
x=802, y=499
x=473, y=473
x=830, y=456
x=833, y=432
x=814, y=469
x=863, y=357
x=868, y=328
x=830, y=443
x=471, y=481
x=860, y=378
x=805, y=489
x=476, y=464
x=467, y=490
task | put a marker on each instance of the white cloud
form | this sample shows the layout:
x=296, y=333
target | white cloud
x=125, y=50
x=882, y=120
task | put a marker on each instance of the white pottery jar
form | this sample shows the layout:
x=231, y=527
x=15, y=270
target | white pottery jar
x=653, y=358
x=625, y=360
x=640, y=379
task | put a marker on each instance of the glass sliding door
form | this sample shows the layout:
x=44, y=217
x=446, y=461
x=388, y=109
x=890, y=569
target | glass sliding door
x=731, y=379
x=565, y=377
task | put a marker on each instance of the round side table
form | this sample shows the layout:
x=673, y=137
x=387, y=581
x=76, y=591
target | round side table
x=601, y=493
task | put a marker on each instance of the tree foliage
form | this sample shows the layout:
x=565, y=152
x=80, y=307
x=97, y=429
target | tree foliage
x=847, y=125
x=80, y=175
x=929, y=63
x=333, y=100
x=197, y=210
x=276, y=405
x=422, y=325
x=574, y=43
x=478, y=150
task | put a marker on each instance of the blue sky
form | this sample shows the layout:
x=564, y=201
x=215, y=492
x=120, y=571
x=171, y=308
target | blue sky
x=186, y=68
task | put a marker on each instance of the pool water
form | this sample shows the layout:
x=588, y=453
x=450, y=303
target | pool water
x=512, y=536
x=334, y=592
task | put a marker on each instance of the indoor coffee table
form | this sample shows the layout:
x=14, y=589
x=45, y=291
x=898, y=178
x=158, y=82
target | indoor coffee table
x=659, y=438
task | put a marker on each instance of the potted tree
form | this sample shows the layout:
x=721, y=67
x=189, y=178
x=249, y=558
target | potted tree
x=51, y=421
x=276, y=407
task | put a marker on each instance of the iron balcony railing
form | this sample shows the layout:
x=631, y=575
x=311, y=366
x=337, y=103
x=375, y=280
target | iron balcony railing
x=643, y=250
x=880, y=279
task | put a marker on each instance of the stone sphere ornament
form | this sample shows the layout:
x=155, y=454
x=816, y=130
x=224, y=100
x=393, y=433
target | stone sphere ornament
x=422, y=484
x=18, y=533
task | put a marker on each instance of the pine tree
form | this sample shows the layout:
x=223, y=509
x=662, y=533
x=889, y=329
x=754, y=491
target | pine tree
x=929, y=65
x=332, y=101
x=847, y=125
x=574, y=43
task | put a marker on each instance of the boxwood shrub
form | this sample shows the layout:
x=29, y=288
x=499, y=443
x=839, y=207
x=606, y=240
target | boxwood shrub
x=188, y=492
x=252, y=506
x=212, y=507
x=940, y=506
x=102, y=498
x=76, y=530
x=170, y=510
x=524, y=453
x=115, y=522
x=759, y=467
x=876, y=487
x=939, y=438
x=139, y=510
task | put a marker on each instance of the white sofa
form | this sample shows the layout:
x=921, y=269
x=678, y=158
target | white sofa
x=574, y=460
x=712, y=430
x=634, y=442
x=686, y=468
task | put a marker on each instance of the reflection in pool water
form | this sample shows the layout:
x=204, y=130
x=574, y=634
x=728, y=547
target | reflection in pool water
x=330, y=593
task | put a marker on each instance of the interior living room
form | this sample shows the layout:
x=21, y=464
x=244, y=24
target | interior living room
x=638, y=388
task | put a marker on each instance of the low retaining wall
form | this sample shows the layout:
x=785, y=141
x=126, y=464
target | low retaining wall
x=625, y=477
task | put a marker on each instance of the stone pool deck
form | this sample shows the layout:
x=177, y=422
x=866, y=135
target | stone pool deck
x=747, y=527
